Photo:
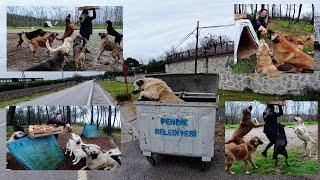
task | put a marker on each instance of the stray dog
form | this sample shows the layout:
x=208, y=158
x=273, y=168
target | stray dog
x=246, y=124
x=152, y=89
x=63, y=49
x=69, y=28
x=107, y=45
x=302, y=133
x=79, y=55
x=264, y=60
x=115, y=152
x=96, y=159
x=242, y=152
x=57, y=61
x=17, y=135
x=280, y=145
x=37, y=42
x=286, y=53
x=75, y=147
x=296, y=41
x=112, y=32
x=31, y=35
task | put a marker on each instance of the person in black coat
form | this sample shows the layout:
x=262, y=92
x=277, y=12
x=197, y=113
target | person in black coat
x=86, y=25
x=271, y=125
x=111, y=31
x=260, y=22
x=57, y=121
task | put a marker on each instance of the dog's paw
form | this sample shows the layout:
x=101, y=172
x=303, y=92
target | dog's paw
x=256, y=167
x=247, y=172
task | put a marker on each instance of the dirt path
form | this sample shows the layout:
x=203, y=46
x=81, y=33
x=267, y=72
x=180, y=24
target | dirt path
x=20, y=58
x=293, y=140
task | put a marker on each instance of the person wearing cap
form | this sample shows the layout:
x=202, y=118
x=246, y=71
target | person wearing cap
x=270, y=126
x=260, y=22
x=86, y=25
x=57, y=121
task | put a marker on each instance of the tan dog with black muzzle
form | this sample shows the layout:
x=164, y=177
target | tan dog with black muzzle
x=152, y=89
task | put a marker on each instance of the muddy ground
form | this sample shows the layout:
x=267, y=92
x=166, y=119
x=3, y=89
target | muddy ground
x=20, y=58
x=103, y=142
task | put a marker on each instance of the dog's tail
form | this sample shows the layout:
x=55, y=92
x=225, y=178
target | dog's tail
x=50, y=48
x=24, y=38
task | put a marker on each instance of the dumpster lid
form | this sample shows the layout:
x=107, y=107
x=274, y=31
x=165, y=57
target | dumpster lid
x=194, y=84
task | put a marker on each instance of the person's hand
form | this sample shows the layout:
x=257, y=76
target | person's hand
x=263, y=30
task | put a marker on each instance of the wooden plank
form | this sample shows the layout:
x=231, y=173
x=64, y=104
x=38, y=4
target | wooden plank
x=88, y=8
x=44, y=130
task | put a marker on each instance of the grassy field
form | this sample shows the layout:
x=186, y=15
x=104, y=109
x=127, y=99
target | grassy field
x=118, y=88
x=11, y=102
x=286, y=123
x=297, y=167
x=77, y=27
x=285, y=27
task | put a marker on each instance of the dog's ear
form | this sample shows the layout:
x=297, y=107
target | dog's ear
x=140, y=82
x=250, y=107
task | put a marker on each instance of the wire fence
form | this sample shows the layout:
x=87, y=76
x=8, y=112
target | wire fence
x=218, y=48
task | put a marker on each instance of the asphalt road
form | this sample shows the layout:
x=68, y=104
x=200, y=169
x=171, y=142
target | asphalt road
x=84, y=94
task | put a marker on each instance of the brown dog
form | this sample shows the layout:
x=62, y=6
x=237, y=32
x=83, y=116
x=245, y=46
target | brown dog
x=107, y=45
x=152, y=89
x=264, y=60
x=69, y=28
x=39, y=41
x=242, y=152
x=286, y=53
x=79, y=55
x=246, y=124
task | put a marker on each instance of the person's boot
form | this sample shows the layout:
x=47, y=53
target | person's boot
x=264, y=153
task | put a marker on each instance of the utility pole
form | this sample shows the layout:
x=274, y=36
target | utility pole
x=197, y=40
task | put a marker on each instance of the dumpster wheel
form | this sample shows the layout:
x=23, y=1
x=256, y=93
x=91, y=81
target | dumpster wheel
x=205, y=165
x=151, y=160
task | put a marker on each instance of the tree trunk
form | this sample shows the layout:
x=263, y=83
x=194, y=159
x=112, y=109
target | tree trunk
x=109, y=121
x=48, y=117
x=299, y=13
x=69, y=115
x=280, y=15
x=115, y=115
x=64, y=115
x=11, y=112
x=75, y=114
x=29, y=115
x=294, y=12
x=91, y=115
x=98, y=114
x=312, y=19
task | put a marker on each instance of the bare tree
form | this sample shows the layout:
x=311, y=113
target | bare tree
x=299, y=13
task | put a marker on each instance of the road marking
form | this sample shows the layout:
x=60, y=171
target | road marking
x=89, y=102
x=82, y=175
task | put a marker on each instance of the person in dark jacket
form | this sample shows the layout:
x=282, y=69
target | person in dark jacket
x=112, y=32
x=86, y=25
x=271, y=125
x=260, y=22
x=57, y=121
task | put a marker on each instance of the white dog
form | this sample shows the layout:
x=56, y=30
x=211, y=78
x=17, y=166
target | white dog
x=74, y=146
x=17, y=135
x=302, y=133
x=96, y=159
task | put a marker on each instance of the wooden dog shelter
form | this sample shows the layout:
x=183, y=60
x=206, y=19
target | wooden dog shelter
x=246, y=41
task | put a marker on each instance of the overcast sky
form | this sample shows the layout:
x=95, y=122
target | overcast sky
x=150, y=27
